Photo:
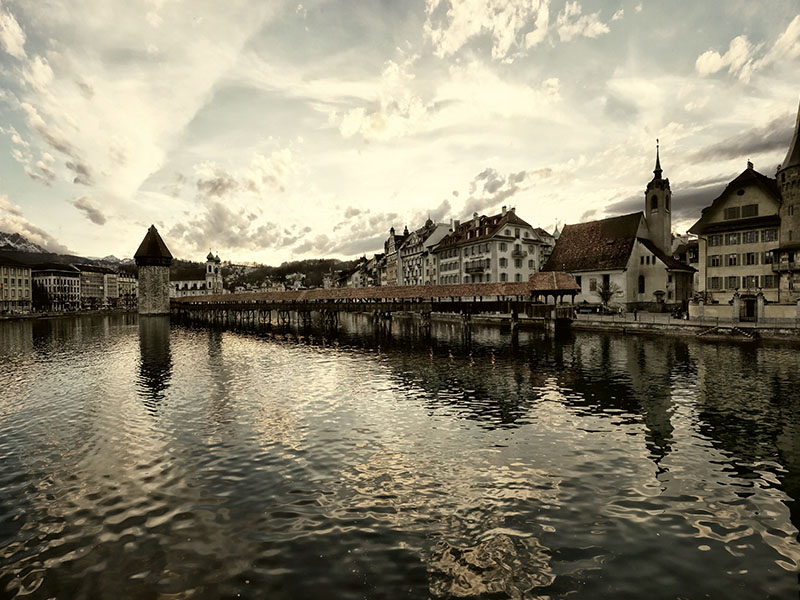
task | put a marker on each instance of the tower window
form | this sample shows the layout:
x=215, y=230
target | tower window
x=641, y=284
x=653, y=203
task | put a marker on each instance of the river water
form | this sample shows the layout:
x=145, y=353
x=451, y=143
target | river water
x=143, y=460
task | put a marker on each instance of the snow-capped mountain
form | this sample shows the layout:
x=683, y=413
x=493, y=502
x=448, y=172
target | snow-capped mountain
x=18, y=243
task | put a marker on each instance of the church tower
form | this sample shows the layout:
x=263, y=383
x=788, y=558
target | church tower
x=213, y=274
x=657, y=207
x=788, y=177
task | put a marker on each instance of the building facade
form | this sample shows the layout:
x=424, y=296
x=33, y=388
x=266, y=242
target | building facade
x=787, y=265
x=416, y=264
x=15, y=287
x=128, y=290
x=485, y=249
x=207, y=283
x=738, y=239
x=60, y=286
x=391, y=248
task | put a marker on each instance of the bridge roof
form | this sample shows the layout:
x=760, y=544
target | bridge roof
x=551, y=283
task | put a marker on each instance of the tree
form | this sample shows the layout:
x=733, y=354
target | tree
x=607, y=292
x=40, y=298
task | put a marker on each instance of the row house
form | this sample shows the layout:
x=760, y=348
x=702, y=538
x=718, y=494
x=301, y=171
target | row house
x=99, y=287
x=15, y=287
x=391, y=248
x=497, y=248
x=415, y=262
x=60, y=285
x=128, y=290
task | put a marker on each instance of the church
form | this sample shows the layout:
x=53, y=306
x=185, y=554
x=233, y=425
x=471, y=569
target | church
x=626, y=262
x=209, y=283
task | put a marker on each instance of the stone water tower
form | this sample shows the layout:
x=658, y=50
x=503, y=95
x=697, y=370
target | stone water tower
x=153, y=259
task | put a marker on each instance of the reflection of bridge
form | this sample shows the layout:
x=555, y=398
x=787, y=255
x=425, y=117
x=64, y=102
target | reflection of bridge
x=541, y=297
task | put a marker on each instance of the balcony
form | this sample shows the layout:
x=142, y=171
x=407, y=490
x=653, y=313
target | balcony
x=476, y=267
x=518, y=253
x=783, y=267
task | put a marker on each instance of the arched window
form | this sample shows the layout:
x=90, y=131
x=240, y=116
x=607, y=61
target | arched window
x=641, y=284
x=653, y=203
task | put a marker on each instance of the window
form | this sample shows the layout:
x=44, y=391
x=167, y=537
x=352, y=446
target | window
x=653, y=203
x=530, y=264
x=503, y=277
x=732, y=260
x=507, y=232
x=715, y=240
x=751, y=258
x=732, y=239
x=769, y=281
x=750, y=282
x=578, y=281
x=641, y=284
x=647, y=260
x=715, y=283
x=527, y=234
x=767, y=258
x=750, y=237
x=732, y=212
x=641, y=260
x=517, y=277
x=593, y=285
x=503, y=246
x=769, y=235
x=790, y=209
x=503, y=262
x=606, y=281
x=715, y=260
x=750, y=210
x=669, y=278
x=731, y=282
x=518, y=263
x=516, y=232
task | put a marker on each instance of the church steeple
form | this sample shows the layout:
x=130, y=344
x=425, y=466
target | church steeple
x=657, y=171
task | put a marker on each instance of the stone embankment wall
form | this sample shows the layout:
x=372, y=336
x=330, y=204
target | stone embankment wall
x=153, y=290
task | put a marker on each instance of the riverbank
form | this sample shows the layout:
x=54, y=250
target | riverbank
x=58, y=315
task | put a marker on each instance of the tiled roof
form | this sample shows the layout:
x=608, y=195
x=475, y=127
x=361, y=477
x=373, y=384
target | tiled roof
x=541, y=283
x=747, y=177
x=153, y=250
x=596, y=245
x=487, y=227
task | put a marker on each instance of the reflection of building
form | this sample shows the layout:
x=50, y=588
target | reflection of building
x=15, y=286
x=153, y=259
x=485, y=249
x=155, y=364
x=628, y=259
x=200, y=284
x=60, y=284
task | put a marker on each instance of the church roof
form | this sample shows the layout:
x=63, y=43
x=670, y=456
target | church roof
x=153, y=250
x=597, y=245
x=793, y=156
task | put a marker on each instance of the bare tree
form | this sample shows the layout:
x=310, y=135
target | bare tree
x=607, y=292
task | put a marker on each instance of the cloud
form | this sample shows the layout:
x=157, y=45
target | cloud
x=570, y=23
x=213, y=180
x=82, y=174
x=51, y=134
x=13, y=221
x=11, y=35
x=270, y=173
x=775, y=135
x=490, y=187
x=741, y=59
x=510, y=25
x=91, y=212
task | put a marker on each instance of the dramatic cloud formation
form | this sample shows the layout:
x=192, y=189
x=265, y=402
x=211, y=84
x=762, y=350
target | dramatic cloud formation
x=11, y=35
x=92, y=213
x=772, y=137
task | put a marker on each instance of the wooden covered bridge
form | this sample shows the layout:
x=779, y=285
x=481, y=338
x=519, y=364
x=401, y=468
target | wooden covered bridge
x=547, y=297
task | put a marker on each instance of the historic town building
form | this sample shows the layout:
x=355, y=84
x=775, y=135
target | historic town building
x=153, y=259
x=627, y=260
x=416, y=264
x=738, y=239
x=484, y=249
x=59, y=286
x=15, y=288
x=209, y=281
x=99, y=287
x=391, y=248
x=788, y=255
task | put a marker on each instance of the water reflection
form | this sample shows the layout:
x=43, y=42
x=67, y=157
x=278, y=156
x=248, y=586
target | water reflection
x=155, y=359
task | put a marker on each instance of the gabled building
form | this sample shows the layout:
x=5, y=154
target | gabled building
x=738, y=239
x=628, y=256
x=495, y=248
x=415, y=262
x=391, y=248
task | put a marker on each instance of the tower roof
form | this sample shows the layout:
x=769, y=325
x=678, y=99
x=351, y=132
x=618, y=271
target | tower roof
x=793, y=156
x=657, y=171
x=210, y=257
x=153, y=250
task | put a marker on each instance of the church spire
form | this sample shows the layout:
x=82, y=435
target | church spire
x=657, y=170
x=793, y=156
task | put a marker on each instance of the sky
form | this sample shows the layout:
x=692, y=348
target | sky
x=275, y=131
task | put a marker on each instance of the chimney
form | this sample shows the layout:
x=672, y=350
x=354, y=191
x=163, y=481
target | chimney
x=476, y=219
x=513, y=209
x=503, y=212
x=456, y=223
